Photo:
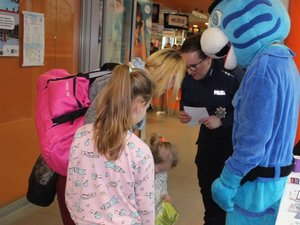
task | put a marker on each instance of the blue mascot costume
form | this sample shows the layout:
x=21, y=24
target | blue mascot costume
x=250, y=33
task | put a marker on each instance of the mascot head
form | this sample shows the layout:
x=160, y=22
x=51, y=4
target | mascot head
x=239, y=29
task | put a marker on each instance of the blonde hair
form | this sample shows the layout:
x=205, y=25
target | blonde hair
x=158, y=144
x=114, y=108
x=167, y=69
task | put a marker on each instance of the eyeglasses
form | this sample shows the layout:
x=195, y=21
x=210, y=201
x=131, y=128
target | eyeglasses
x=194, y=67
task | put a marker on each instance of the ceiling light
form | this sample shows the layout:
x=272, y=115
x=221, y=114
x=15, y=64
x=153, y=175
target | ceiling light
x=199, y=14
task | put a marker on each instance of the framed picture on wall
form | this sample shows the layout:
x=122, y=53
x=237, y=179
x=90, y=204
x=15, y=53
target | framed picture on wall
x=9, y=28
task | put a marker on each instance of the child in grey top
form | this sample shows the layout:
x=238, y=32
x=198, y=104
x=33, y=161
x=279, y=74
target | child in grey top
x=165, y=158
x=98, y=85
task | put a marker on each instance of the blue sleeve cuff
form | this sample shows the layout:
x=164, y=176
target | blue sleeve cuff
x=229, y=179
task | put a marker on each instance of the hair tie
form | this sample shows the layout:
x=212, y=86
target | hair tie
x=137, y=62
x=163, y=139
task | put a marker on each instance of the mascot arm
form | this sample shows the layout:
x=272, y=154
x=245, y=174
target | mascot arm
x=256, y=113
x=224, y=189
x=227, y=121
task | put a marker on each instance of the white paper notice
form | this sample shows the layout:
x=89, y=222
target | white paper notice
x=196, y=113
x=34, y=39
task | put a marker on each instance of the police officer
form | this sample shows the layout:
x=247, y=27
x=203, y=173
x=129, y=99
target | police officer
x=207, y=84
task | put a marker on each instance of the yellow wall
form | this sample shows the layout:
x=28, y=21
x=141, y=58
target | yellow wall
x=19, y=145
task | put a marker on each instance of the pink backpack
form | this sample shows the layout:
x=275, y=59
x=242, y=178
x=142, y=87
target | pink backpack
x=62, y=100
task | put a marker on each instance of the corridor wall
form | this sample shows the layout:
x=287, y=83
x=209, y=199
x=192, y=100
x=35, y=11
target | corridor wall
x=18, y=140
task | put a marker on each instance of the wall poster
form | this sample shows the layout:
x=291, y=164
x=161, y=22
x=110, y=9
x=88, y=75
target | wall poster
x=142, y=29
x=34, y=39
x=9, y=28
x=116, y=31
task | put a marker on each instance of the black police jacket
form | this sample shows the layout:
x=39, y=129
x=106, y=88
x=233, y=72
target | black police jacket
x=214, y=91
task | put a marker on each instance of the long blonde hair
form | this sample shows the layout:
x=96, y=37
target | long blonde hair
x=114, y=108
x=167, y=69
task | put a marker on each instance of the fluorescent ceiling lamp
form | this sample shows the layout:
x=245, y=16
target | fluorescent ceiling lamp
x=199, y=14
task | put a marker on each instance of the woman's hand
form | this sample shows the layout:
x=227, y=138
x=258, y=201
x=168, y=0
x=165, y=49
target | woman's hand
x=211, y=122
x=184, y=117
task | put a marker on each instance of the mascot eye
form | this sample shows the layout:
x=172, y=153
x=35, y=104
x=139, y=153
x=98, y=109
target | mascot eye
x=215, y=19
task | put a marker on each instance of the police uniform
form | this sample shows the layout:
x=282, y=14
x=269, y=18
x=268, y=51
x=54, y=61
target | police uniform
x=214, y=92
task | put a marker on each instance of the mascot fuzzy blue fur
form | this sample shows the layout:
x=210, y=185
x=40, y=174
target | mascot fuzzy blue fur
x=250, y=33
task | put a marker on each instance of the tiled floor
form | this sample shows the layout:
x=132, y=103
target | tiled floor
x=183, y=186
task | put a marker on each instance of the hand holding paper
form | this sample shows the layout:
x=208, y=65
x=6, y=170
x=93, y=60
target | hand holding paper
x=197, y=113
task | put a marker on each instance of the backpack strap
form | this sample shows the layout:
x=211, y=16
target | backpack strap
x=69, y=116
x=266, y=172
x=93, y=75
x=97, y=73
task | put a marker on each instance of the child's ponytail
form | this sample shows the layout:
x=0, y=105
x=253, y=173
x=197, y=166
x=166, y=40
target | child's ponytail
x=114, y=108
